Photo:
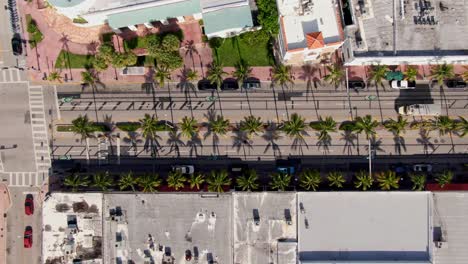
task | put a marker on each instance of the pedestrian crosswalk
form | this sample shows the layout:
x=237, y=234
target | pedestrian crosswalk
x=11, y=75
x=18, y=179
x=39, y=129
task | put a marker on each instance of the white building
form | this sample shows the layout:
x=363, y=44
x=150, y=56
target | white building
x=310, y=30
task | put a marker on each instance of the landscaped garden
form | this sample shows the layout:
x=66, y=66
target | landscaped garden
x=35, y=35
x=67, y=59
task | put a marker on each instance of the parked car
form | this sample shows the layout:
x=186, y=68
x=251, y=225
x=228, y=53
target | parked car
x=238, y=169
x=251, y=84
x=230, y=84
x=402, y=85
x=184, y=169
x=28, y=237
x=206, y=85
x=16, y=45
x=455, y=83
x=29, y=205
x=188, y=255
x=422, y=168
x=356, y=85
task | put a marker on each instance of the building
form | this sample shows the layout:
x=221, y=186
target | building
x=222, y=18
x=360, y=227
x=310, y=30
x=406, y=32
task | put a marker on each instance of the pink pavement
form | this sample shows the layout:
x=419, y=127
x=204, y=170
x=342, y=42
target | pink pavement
x=4, y=206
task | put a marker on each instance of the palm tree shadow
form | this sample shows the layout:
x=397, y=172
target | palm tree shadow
x=190, y=50
x=399, y=144
x=241, y=139
x=349, y=138
x=299, y=143
x=271, y=135
x=324, y=144
x=110, y=124
x=211, y=116
x=375, y=145
x=175, y=142
x=193, y=143
x=379, y=101
x=133, y=139
x=425, y=140
x=306, y=75
x=152, y=145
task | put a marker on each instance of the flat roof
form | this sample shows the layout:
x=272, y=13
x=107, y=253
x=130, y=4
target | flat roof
x=448, y=37
x=355, y=226
x=273, y=240
x=201, y=223
x=322, y=18
x=228, y=18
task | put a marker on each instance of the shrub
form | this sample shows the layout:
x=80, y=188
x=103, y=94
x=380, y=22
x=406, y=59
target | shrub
x=35, y=35
x=204, y=39
x=200, y=22
x=215, y=42
x=128, y=127
x=80, y=20
x=268, y=16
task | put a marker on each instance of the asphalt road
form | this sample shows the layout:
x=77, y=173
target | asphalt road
x=17, y=221
x=7, y=59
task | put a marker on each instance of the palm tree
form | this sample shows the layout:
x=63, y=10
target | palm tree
x=102, y=180
x=149, y=126
x=363, y=180
x=54, y=76
x=411, y=73
x=176, y=180
x=444, y=178
x=282, y=75
x=242, y=72
x=84, y=128
x=462, y=126
x=149, y=182
x=442, y=72
x=465, y=73
x=335, y=178
x=310, y=179
x=88, y=78
x=295, y=127
x=196, y=180
x=219, y=125
x=378, y=73
x=444, y=124
x=388, y=180
x=366, y=125
x=162, y=75
x=189, y=127
x=215, y=74
x=251, y=125
x=248, y=181
x=217, y=180
x=324, y=127
x=127, y=180
x=280, y=181
x=191, y=75
x=396, y=126
x=76, y=181
x=418, y=180
x=335, y=75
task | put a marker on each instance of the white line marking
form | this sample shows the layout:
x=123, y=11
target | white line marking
x=11, y=75
x=56, y=103
x=18, y=75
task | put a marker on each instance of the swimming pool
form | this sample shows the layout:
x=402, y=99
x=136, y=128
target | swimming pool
x=65, y=3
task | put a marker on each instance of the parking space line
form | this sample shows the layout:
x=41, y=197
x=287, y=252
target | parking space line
x=11, y=75
x=4, y=76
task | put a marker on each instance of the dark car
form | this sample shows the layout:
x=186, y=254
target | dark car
x=455, y=83
x=188, y=255
x=251, y=83
x=29, y=205
x=28, y=237
x=206, y=85
x=16, y=45
x=238, y=169
x=356, y=85
x=230, y=84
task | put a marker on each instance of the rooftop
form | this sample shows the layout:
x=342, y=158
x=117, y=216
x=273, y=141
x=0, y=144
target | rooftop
x=273, y=239
x=300, y=18
x=72, y=225
x=425, y=29
x=353, y=226
x=150, y=225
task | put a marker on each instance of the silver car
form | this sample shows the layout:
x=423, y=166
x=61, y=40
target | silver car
x=184, y=169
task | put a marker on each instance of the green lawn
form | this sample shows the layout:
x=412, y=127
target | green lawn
x=76, y=61
x=231, y=52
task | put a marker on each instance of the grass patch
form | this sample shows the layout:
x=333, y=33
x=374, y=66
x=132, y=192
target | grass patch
x=35, y=35
x=80, y=20
x=253, y=48
x=64, y=128
x=128, y=127
x=75, y=61
x=95, y=128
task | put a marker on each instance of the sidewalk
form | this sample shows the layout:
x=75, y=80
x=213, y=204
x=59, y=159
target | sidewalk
x=4, y=206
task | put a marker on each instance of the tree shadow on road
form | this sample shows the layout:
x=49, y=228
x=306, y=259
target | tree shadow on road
x=241, y=139
x=425, y=140
x=175, y=142
x=271, y=135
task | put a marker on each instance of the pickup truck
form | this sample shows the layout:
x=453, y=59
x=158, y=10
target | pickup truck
x=400, y=85
x=420, y=110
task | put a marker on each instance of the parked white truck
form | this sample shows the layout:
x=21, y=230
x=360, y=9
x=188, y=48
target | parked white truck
x=420, y=110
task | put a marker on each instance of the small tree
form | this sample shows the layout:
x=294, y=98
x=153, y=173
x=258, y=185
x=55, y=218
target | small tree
x=324, y=127
x=162, y=75
x=336, y=179
x=295, y=127
x=335, y=75
x=242, y=72
x=388, y=180
x=196, y=180
x=217, y=180
x=149, y=182
x=396, y=126
x=54, y=77
x=75, y=181
x=443, y=124
x=363, y=180
x=378, y=73
x=411, y=73
x=84, y=128
x=215, y=74
x=102, y=180
x=366, y=125
x=248, y=181
x=444, y=178
x=282, y=75
x=462, y=126
x=310, y=179
x=176, y=180
x=442, y=72
x=419, y=181
x=251, y=125
x=189, y=127
x=127, y=180
x=219, y=125
x=280, y=181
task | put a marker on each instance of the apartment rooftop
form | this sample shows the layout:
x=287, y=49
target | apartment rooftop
x=422, y=28
x=378, y=226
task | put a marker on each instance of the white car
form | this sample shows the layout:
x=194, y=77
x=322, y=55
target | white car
x=185, y=169
x=402, y=85
x=422, y=168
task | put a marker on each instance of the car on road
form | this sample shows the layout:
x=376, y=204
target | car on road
x=238, y=169
x=251, y=83
x=357, y=85
x=29, y=204
x=184, y=169
x=28, y=237
x=422, y=168
x=403, y=85
x=230, y=84
x=420, y=110
x=16, y=45
x=455, y=83
x=206, y=85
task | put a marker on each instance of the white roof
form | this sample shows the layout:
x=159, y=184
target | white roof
x=365, y=226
